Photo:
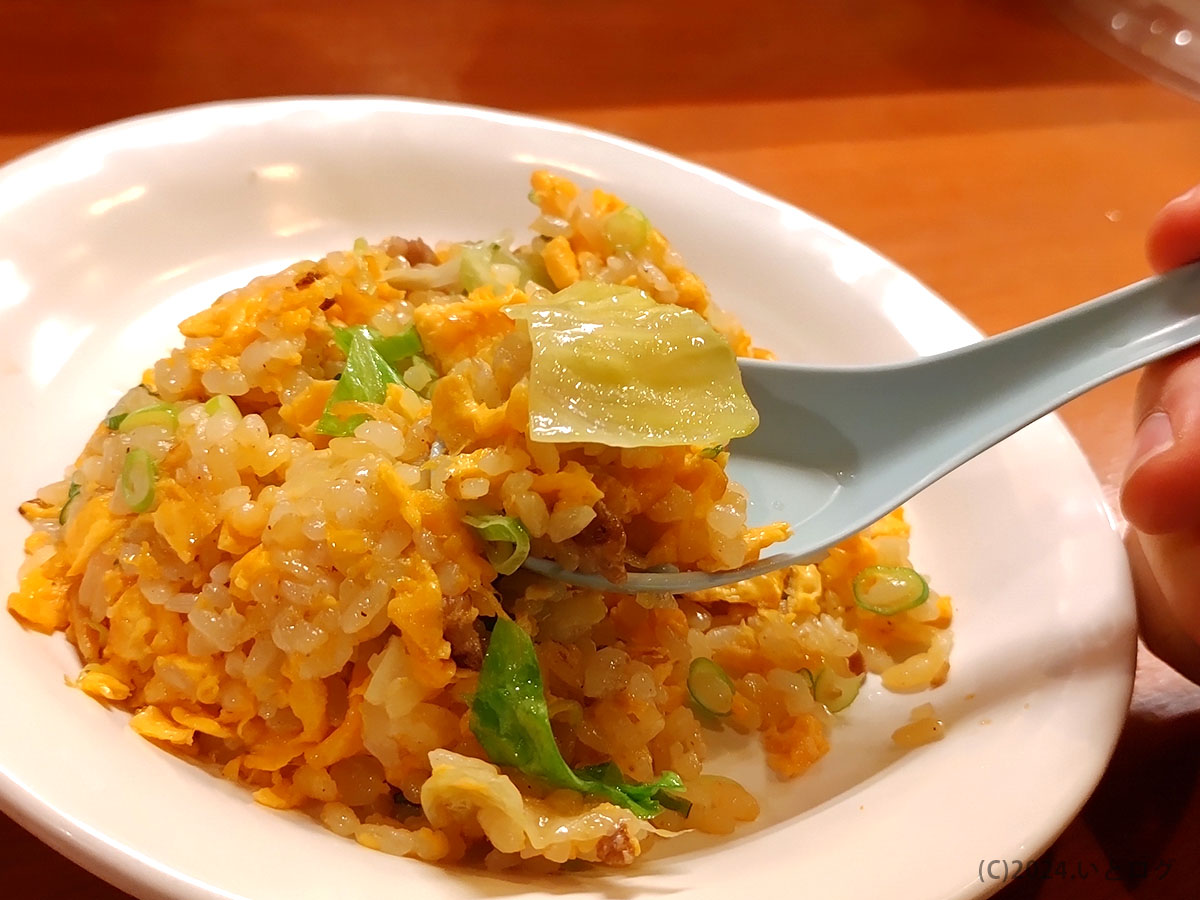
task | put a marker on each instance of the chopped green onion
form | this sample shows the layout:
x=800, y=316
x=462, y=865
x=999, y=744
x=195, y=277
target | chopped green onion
x=113, y=422
x=627, y=229
x=888, y=590
x=807, y=675
x=712, y=452
x=508, y=541
x=835, y=692
x=222, y=403
x=365, y=379
x=162, y=415
x=72, y=493
x=667, y=800
x=711, y=689
x=137, y=480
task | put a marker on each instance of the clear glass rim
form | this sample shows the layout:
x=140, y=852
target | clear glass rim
x=1159, y=38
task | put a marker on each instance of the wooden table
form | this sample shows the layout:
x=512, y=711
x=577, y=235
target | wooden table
x=1005, y=162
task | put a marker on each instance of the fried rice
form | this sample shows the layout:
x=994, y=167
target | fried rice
x=308, y=613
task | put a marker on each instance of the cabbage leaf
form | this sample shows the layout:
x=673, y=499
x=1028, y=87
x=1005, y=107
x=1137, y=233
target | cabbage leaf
x=511, y=720
x=365, y=379
x=613, y=366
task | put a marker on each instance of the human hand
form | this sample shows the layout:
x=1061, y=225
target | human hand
x=1160, y=496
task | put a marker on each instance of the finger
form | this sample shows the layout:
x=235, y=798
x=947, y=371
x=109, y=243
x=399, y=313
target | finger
x=1161, y=489
x=1174, y=236
x=1166, y=588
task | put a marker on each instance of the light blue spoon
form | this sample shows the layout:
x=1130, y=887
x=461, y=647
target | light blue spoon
x=839, y=448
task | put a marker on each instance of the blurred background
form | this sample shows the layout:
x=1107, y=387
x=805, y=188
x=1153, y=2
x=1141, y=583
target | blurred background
x=1158, y=37
x=1009, y=153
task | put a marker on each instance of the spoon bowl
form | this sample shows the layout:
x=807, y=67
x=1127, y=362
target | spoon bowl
x=838, y=448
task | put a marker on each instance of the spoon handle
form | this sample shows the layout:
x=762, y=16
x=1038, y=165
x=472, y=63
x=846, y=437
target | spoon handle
x=987, y=391
x=887, y=432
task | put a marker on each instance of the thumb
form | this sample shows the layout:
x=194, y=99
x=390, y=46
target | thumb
x=1174, y=236
x=1168, y=584
x=1161, y=500
x=1160, y=495
x=1161, y=490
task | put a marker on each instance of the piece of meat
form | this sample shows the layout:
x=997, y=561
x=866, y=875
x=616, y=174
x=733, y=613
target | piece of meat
x=856, y=663
x=604, y=542
x=459, y=624
x=616, y=849
x=415, y=250
x=307, y=278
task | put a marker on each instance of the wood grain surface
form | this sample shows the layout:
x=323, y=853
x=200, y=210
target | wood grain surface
x=1007, y=163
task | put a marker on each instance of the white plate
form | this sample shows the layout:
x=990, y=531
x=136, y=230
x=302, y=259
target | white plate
x=110, y=237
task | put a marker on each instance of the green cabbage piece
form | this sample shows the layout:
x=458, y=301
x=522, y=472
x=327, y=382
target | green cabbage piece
x=613, y=366
x=365, y=379
x=394, y=349
x=510, y=719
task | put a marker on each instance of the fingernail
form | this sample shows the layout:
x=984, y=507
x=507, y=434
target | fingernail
x=1152, y=437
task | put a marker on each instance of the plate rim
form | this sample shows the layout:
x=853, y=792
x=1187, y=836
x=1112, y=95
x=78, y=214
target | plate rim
x=123, y=866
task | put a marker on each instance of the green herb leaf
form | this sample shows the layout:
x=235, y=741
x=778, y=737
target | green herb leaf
x=510, y=719
x=508, y=541
x=364, y=379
